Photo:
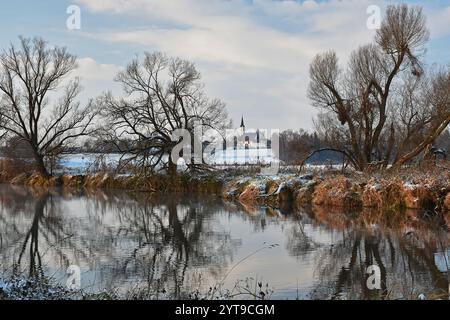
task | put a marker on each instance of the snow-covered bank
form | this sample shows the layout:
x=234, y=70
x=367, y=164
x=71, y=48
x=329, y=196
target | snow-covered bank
x=424, y=188
x=341, y=191
x=18, y=288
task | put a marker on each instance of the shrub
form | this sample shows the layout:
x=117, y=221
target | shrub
x=337, y=192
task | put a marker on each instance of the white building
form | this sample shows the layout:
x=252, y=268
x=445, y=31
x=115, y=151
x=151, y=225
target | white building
x=245, y=147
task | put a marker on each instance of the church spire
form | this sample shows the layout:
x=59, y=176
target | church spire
x=242, y=125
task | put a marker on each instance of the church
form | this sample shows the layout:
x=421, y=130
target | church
x=244, y=146
x=250, y=139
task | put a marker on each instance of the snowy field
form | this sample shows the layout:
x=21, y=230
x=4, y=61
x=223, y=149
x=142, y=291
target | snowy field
x=90, y=162
x=87, y=162
x=83, y=163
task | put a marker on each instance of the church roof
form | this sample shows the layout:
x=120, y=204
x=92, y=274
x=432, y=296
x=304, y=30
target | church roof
x=242, y=122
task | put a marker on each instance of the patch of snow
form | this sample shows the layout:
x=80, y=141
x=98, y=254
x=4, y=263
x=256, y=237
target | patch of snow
x=375, y=187
x=410, y=186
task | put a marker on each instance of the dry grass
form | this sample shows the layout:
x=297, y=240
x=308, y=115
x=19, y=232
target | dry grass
x=371, y=197
x=411, y=188
x=155, y=184
x=251, y=194
x=425, y=187
x=447, y=202
x=420, y=197
x=396, y=194
x=11, y=168
x=337, y=192
x=37, y=180
x=392, y=195
x=234, y=189
x=271, y=187
x=304, y=195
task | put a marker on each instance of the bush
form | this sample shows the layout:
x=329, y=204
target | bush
x=337, y=192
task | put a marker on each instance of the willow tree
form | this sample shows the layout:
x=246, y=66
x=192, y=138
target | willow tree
x=38, y=99
x=162, y=94
x=384, y=107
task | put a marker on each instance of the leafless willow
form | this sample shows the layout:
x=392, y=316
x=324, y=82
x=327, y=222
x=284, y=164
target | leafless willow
x=163, y=94
x=38, y=99
x=385, y=107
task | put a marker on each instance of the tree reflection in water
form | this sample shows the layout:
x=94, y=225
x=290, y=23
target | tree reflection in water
x=403, y=246
x=170, y=247
x=176, y=243
x=31, y=225
x=165, y=246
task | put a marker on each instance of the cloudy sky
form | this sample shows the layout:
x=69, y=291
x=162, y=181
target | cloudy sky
x=253, y=54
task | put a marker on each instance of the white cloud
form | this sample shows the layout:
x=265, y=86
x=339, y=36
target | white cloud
x=95, y=78
x=440, y=23
x=90, y=70
x=244, y=50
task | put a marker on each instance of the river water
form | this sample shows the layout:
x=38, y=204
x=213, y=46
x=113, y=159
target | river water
x=199, y=246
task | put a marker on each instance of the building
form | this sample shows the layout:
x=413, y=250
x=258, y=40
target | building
x=244, y=146
x=250, y=139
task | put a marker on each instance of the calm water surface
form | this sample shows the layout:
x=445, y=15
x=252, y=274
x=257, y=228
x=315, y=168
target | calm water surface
x=174, y=246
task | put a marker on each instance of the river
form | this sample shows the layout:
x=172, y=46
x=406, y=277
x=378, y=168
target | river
x=200, y=246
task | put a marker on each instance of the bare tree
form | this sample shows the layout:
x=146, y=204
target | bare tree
x=365, y=108
x=31, y=77
x=163, y=94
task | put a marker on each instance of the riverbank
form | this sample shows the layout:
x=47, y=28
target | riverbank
x=29, y=288
x=418, y=189
x=158, y=183
x=409, y=189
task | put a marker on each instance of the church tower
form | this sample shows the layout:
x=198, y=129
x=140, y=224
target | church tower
x=242, y=125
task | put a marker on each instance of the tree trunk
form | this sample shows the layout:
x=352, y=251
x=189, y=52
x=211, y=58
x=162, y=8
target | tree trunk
x=172, y=168
x=432, y=136
x=40, y=165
